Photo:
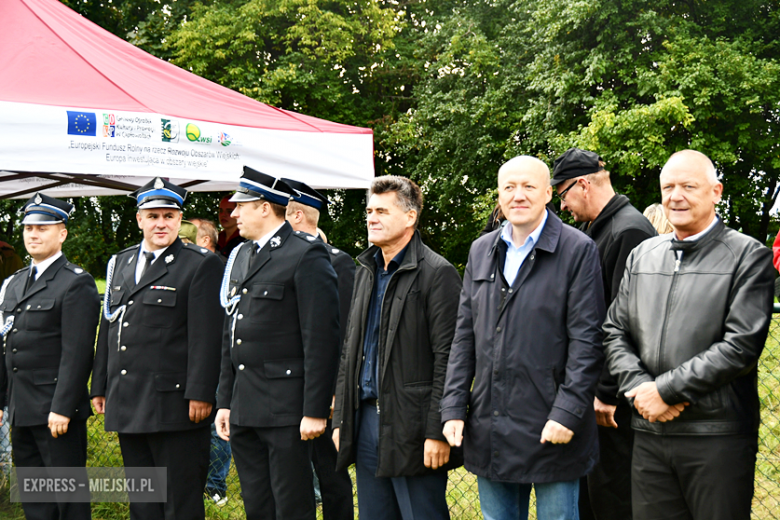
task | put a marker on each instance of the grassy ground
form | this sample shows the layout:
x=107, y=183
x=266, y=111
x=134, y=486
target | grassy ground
x=462, y=494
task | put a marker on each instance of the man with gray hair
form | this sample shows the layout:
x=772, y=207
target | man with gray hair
x=683, y=337
x=394, y=359
x=207, y=233
x=527, y=355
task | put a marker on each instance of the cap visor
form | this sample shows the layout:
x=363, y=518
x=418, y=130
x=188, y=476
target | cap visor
x=39, y=219
x=154, y=204
x=243, y=197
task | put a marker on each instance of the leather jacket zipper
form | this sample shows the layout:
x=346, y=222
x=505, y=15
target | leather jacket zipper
x=677, y=263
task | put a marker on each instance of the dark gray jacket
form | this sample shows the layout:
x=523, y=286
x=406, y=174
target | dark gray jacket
x=696, y=327
x=416, y=329
x=533, y=352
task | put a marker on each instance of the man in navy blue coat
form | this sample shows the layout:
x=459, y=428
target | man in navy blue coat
x=527, y=354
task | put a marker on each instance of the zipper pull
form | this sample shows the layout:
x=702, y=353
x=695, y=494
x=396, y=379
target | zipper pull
x=676, y=265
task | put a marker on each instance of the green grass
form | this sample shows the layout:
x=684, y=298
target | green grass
x=462, y=493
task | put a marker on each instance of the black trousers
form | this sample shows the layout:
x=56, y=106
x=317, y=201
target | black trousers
x=605, y=494
x=34, y=447
x=336, y=486
x=693, y=477
x=186, y=456
x=274, y=468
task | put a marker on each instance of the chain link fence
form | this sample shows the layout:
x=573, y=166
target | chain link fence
x=462, y=493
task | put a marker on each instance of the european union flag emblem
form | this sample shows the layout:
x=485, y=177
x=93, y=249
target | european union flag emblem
x=82, y=123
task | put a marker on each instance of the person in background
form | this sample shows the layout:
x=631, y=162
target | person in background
x=229, y=237
x=303, y=214
x=655, y=214
x=585, y=190
x=188, y=232
x=683, y=338
x=527, y=355
x=207, y=234
x=10, y=262
x=51, y=310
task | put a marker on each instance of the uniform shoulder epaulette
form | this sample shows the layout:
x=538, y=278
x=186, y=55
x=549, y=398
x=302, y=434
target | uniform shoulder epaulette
x=304, y=236
x=23, y=269
x=125, y=250
x=73, y=267
x=196, y=248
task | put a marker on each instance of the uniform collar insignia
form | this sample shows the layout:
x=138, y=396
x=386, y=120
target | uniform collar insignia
x=130, y=260
x=276, y=241
x=169, y=259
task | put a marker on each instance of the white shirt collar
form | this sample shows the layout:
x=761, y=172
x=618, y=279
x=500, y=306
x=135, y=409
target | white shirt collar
x=697, y=236
x=506, y=233
x=43, y=265
x=265, y=238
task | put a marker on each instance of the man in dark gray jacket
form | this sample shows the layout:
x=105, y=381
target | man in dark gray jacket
x=394, y=360
x=617, y=227
x=527, y=355
x=683, y=338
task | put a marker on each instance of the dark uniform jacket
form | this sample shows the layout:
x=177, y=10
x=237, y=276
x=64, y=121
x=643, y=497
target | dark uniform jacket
x=48, y=352
x=528, y=353
x=416, y=328
x=618, y=229
x=279, y=350
x=696, y=327
x=170, y=340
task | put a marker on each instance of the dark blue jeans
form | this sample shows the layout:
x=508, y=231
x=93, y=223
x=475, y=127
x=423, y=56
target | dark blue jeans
x=507, y=501
x=219, y=463
x=407, y=498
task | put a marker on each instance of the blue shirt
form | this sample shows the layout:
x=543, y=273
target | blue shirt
x=515, y=256
x=369, y=372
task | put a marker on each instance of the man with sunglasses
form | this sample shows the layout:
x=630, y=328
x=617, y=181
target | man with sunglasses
x=584, y=189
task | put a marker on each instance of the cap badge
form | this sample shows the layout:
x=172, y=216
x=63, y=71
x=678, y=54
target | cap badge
x=169, y=259
x=158, y=184
x=276, y=241
x=38, y=198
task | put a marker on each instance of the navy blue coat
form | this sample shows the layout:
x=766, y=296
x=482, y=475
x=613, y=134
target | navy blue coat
x=533, y=352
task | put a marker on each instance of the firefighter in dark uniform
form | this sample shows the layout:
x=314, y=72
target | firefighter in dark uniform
x=279, y=352
x=157, y=357
x=303, y=214
x=50, y=313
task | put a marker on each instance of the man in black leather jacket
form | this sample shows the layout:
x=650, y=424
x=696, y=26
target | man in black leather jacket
x=683, y=338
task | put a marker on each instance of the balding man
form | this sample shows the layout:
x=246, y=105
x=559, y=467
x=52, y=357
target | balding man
x=527, y=354
x=683, y=338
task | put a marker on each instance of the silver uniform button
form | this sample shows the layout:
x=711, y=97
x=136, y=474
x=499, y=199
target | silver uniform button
x=123, y=347
x=177, y=385
x=241, y=367
x=240, y=316
x=243, y=292
x=28, y=307
x=130, y=302
x=238, y=342
x=125, y=324
x=123, y=372
x=289, y=372
x=159, y=300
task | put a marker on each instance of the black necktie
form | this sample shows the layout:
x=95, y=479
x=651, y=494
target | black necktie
x=31, y=278
x=149, y=259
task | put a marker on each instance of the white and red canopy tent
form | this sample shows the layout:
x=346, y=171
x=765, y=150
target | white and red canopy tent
x=83, y=112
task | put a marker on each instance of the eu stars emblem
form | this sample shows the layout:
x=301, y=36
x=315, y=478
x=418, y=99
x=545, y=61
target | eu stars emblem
x=82, y=123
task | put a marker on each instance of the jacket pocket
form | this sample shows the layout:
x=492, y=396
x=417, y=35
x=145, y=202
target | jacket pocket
x=45, y=376
x=38, y=316
x=161, y=311
x=267, y=291
x=285, y=385
x=172, y=407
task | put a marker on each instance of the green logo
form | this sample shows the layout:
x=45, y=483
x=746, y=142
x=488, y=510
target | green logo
x=170, y=131
x=193, y=134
